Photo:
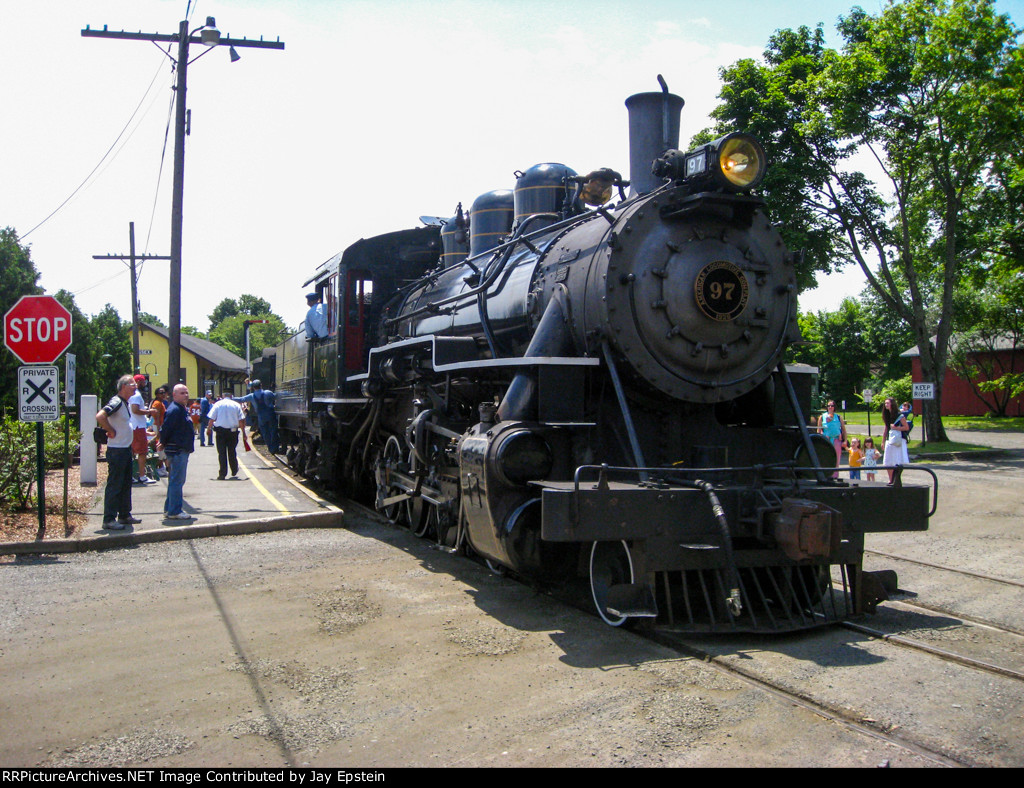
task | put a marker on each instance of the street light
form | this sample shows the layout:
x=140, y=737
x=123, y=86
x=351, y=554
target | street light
x=210, y=36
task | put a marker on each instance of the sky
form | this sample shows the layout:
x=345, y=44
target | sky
x=374, y=114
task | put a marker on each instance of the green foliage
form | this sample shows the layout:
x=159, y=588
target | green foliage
x=857, y=346
x=227, y=325
x=83, y=347
x=996, y=324
x=226, y=308
x=900, y=389
x=836, y=346
x=927, y=98
x=230, y=333
x=248, y=306
x=1010, y=385
x=18, y=457
x=153, y=320
x=92, y=338
x=18, y=277
x=112, y=338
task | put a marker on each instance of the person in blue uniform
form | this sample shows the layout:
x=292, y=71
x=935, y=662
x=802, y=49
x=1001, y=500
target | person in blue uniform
x=204, y=416
x=265, y=402
x=316, y=317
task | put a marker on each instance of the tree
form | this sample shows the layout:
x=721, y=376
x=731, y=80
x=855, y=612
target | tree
x=18, y=277
x=985, y=354
x=250, y=305
x=153, y=320
x=112, y=336
x=886, y=337
x=230, y=333
x=225, y=309
x=84, y=347
x=931, y=93
x=836, y=345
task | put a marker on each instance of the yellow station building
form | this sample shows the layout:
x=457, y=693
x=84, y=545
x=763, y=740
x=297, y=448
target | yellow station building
x=205, y=366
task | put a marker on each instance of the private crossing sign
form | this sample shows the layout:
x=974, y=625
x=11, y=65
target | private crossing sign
x=38, y=394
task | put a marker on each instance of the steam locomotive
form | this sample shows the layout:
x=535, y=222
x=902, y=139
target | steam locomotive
x=579, y=390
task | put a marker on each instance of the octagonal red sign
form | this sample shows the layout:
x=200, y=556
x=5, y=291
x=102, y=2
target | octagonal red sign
x=37, y=329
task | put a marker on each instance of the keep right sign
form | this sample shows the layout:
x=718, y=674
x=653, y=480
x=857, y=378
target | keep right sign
x=924, y=391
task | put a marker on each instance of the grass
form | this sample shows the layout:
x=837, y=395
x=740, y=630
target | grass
x=917, y=447
x=979, y=423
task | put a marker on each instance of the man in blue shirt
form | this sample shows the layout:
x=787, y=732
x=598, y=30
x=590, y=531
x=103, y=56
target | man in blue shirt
x=177, y=439
x=316, y=317
x=204, y=416
x=265, y=402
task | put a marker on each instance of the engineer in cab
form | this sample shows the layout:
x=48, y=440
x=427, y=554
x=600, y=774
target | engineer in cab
x=316, y=317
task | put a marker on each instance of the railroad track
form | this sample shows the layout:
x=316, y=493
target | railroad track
x=854, y=721
x=860, y=725
x=978, y=575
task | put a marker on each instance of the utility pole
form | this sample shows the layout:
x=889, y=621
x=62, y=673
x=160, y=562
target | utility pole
x=246, y=324
x=209, y=37
x=135, y=282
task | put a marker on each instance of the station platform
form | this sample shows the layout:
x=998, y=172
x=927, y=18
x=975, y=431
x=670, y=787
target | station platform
x=265, y=496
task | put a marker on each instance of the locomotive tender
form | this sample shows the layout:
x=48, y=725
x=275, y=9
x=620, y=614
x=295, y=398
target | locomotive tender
x=572, y=388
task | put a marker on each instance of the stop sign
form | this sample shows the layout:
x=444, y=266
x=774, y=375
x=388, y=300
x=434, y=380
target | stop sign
x=37, y=329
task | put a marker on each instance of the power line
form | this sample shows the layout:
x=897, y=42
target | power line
x=160, y=170
x=100, y=162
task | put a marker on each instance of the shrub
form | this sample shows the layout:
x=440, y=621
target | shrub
x=900, y=389
x=18, y=456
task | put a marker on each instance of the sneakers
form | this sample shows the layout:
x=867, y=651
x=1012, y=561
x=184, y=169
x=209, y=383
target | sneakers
x=112, y=525
x=129, y=520
x=144, y=480
x=178, y=516
x=162, y=472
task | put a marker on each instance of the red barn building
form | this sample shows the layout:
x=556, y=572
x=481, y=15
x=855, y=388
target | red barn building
x=959, y=397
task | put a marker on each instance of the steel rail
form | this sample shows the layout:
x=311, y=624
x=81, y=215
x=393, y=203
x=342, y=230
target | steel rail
x=978, y=575
x=948, y=656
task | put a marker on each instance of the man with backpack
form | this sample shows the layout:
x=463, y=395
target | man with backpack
x=115, y=420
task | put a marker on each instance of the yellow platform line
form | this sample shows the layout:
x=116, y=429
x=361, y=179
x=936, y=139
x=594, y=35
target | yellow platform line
x=266, y=493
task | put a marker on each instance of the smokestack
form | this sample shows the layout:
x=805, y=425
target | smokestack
x=653, y=129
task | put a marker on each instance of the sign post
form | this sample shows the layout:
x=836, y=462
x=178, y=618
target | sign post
x=37, y=329
x=924, y=391
x=868, y=395
x=69, y=404
x=39, y=401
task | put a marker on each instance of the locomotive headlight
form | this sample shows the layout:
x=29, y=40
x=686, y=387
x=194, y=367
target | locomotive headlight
x=735, y=162
x=741, y=160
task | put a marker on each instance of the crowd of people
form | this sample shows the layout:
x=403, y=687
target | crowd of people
x=161, y=435
x=898, y=424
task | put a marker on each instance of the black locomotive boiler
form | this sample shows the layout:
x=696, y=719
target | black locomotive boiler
x=575, y=388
